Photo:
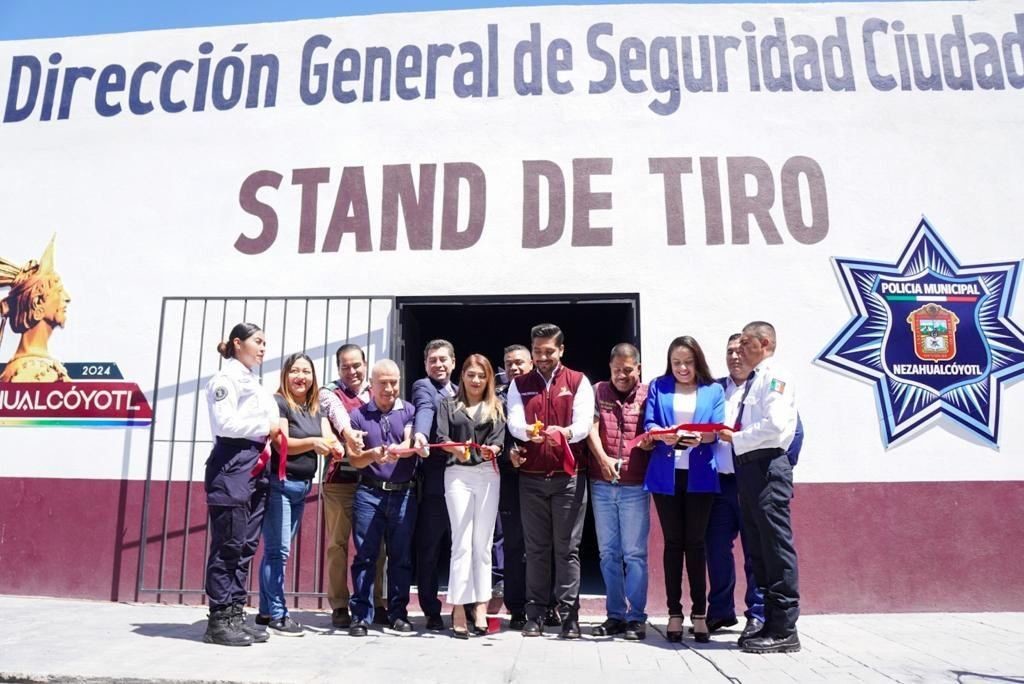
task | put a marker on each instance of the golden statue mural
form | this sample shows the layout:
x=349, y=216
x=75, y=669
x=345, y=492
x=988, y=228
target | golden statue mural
x=35, y=305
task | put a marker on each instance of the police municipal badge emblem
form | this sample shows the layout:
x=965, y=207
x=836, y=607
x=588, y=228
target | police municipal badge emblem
x=934, y=337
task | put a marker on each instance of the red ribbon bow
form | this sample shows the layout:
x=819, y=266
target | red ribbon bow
x=282, y=463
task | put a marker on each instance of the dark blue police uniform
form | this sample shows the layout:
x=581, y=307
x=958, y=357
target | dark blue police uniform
x=236, y=482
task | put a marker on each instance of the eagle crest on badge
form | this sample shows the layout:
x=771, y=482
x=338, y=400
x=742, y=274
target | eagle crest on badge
x=934, y=330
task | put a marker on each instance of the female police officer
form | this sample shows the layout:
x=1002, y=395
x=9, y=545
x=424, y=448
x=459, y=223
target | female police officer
x=243, y=416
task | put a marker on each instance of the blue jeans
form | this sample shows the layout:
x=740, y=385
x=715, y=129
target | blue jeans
x=724, y=525
x=622, y=519
x=284, y=513
x=388, y=517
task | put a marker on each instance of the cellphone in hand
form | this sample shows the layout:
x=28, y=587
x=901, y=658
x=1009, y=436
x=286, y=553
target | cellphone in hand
x=684, y=437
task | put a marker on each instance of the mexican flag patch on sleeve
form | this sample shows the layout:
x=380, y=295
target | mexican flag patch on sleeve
x=777, y=386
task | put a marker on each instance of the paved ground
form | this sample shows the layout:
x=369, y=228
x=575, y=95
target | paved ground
x=58, y=640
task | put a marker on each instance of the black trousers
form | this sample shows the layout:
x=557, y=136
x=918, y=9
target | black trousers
x=684, y=523
x=552, y=510
x=236, y=502
x=513, y=549
x=432, y=537
x=766, y=488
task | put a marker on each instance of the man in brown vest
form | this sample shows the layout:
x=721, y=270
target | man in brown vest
x=347, y=393
x=551, y=410
x=621, y=505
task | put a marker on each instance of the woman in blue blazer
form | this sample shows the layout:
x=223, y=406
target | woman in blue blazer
x=683, y=476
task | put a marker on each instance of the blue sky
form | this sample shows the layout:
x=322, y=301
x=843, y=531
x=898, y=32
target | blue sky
x=51, y=18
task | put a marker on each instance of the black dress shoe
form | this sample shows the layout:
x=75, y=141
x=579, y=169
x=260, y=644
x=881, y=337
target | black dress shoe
x=635, y=631
x=517, y=621
x=340, y=618
x=753, y=628
x=609, y=627
x=380, y=616
x=532, y=628
x=552, y=618
x=435, y=623
x=772, y=644
x=715, y=624
x=401, y=626
x=357, y=629
x=570, y=628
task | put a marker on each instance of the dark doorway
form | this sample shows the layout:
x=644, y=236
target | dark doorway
x=592, y=324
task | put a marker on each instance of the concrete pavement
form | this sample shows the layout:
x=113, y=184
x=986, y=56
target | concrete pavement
x=86, y=641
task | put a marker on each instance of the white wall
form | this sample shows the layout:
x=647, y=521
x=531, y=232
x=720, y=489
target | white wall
x=147, y=207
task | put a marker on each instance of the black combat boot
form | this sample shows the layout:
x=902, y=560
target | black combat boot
x=258, y=635
x=221, y=630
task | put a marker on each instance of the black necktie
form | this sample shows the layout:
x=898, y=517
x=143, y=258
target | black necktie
x=746, y=391
x=739, y=416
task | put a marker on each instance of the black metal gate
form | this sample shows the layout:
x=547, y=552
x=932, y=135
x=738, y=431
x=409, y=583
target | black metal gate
x=174, y=530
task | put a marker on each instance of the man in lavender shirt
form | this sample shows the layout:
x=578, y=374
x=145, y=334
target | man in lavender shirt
x=385, y=502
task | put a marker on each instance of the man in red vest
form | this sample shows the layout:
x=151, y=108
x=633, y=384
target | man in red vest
x=551, y=410
x=621, y=505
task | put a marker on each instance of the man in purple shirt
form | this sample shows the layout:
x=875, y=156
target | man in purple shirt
x=385, y=502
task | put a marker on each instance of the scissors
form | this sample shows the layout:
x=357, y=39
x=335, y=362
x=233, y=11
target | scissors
x=617, y=467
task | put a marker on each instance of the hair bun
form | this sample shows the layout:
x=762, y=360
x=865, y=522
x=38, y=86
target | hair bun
x=222, y=349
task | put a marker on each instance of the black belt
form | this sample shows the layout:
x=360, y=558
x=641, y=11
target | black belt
x=239, y=442
x=385, y=485
x=547, y=474
x=757, y=455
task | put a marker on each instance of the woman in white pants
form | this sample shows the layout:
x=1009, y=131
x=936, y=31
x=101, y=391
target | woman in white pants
x=471, y=485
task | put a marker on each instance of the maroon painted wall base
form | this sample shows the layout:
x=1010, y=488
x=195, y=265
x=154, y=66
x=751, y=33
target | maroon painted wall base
x=864, y=547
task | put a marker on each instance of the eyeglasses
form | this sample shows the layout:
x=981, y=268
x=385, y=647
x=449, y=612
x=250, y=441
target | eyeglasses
x=386, y=433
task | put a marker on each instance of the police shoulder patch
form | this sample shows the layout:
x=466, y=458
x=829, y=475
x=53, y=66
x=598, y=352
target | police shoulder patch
x=219, y=392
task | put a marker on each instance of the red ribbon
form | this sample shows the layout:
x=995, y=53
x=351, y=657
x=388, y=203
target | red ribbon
x=282, y=449
x=439, y=445
x=282, y=463
x=689, y=427
x=486, y=453
x=568, y=458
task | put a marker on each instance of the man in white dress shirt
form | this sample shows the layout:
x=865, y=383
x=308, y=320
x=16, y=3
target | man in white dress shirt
x=767, y=424
x=726, y=520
